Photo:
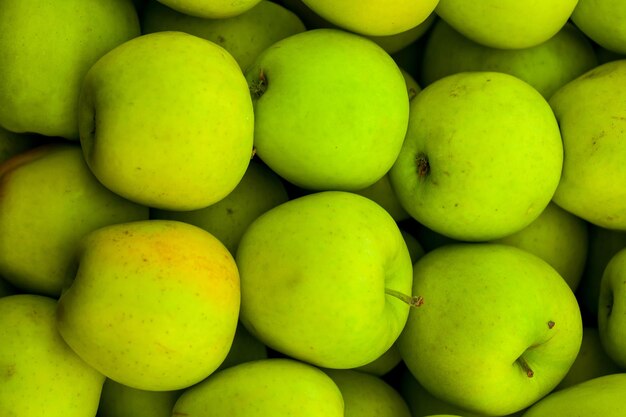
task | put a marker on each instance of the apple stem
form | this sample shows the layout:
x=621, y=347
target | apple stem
x=522, y=362
x=412, y=93
x=413, y=301
x=258, y=87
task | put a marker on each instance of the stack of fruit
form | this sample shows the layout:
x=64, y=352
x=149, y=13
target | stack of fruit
x=312, y=208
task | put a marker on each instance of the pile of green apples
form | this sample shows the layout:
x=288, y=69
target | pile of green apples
x=312, y=208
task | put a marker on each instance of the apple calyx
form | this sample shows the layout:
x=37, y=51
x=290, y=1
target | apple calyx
x=423, y=167
x=258, y=86
x=551, y=324
x=412, y=301
x=525, y=367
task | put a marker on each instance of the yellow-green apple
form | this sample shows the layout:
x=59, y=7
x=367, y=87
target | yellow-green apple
x=498, y=328
x=244, y=36
x=611, y=308
x=49, y=200
x=46, y=47
x=367, y=395
x=263, y=388
x=603, y=22
x=591, y=361
x=214, y=9
x=546, y=66
x=321, y=278
x=374, y=17
x=331, y=109
x=12, y=143
x=590, y=111
x=118, y=400
x=602, y=396
x=507, y=24
x=154, y=304
x=258, y=191
x=559, y=238
x=166, y=120
x=39, y=374
x=482, y=156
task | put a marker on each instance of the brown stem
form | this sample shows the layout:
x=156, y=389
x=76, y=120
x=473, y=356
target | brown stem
x=413, y=301
x=525, y=366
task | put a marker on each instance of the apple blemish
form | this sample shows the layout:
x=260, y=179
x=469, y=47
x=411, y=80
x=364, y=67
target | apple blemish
x=258, y=87
x=423, y=167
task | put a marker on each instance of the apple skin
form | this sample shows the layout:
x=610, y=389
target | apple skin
x=603, y=22
x=166, y=120
x=154, y=304
x=12, y=143
x=611, y=307
x=264, y=388
x=507, y=24
x=446, y=172
x=559, y=238
x=39, y=374
x=118, y=400
x=590, y=113
x=598, y=397
x=346, y=140
x=41, y=230
x=214, y=9
x=546, y=66
x=485, y=306
x=244, y=36
x=79, y=32
x=374, y=17
x=314, y=273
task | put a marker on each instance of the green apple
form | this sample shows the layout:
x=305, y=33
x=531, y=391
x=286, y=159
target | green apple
x=119, y=400
x=331, y=109
x=214, y=9
x=258, y=191
x=154, y=304
x=590, y=111
x=507, y=24
x=366, y=395
x=320, y=279
x=384, y=364
x=604, y=55
x=245, y=348
x=166, y=120
x=374, y=17
x=12, y=143
x=482, y=156
x=264, y=388
x=399, y=41
x=546, y=66
x=39, y=89
x=603, y=22
x=611, y=308
x=602, y=396
x=382, y=193
x=497, y=329
x=41, y=229
x=6, y=289
x=244, y=36
x=559, y=238
x=39, y=374
x=591, y=362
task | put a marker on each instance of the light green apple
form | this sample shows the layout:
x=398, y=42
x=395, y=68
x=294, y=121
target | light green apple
x=559, y=238
x=546, y=66
x=603, y=22
x=507, y=24
x=244, y=36
x=166, y=120
x=611, y=308
x=320, y=279
x=264, y=388
x=591, y=362
x=374, y=17
x=12, y=143
x=497, y=329
x=46, y=47
x=331, y=109
x=598, y=397
x=49, y=200
x=214, y=9
x=154, y=304
x=119, y=400
x=590, y=111
x=258, y=191
x=367, y=395
x=482, y=156
x=39, y=374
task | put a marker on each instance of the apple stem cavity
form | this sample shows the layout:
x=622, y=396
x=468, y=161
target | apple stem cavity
x=525, y=367
x=423, y=167
x=258, y=87
x=551, y=324
x=412, y=301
